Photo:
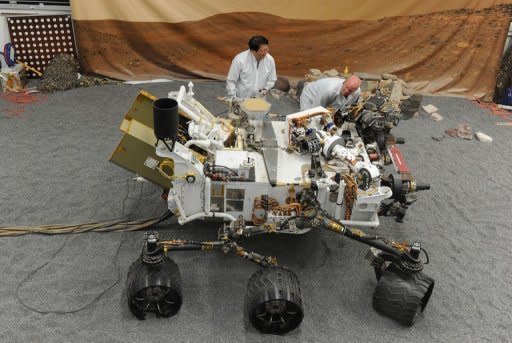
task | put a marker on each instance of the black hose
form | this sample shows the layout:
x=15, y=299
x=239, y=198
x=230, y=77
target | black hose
x=426, y=256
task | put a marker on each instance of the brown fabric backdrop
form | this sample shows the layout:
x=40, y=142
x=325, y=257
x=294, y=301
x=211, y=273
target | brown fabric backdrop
x=440, y=47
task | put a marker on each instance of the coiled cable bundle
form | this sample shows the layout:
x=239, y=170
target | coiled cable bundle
x=107, y=226
x=9, y=55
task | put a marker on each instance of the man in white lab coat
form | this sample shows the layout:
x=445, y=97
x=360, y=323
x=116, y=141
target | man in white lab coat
x=331, y=92
x=252, y=72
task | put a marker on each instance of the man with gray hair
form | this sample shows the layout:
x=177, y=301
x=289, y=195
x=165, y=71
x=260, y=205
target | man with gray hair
x=331, y=92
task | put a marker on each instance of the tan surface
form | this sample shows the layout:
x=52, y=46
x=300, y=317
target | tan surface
x=174, y=11
x=256, y=104
x=455, y=52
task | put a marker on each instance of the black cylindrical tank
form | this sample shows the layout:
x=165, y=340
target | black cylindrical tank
x=165, y=118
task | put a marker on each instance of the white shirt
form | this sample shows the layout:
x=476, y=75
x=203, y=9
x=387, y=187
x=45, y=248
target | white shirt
x=246, y=76
x=326, y=92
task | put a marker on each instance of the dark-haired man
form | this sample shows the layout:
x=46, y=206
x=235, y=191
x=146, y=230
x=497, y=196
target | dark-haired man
x=252, y=72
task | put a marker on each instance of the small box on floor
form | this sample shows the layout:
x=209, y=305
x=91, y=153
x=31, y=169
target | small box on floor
x=13, y=78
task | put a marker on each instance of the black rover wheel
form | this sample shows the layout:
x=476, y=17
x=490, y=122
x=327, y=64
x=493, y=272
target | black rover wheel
x=154, y=288
x=402, y=296
x=273, y=302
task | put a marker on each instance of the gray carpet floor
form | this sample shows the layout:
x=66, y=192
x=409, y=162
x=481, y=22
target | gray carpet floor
x=71, y=288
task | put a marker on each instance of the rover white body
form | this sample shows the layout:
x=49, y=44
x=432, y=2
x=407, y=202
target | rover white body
x=275, y=170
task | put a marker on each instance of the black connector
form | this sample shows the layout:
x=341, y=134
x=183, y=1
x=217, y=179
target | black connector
x=422, y=186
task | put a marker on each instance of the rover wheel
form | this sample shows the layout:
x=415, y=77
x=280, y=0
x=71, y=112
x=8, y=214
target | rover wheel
x=154, y=288
x=273, y=302
x=402, y=296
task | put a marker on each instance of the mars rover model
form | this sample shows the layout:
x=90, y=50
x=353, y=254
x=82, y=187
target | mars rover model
x=317, y=169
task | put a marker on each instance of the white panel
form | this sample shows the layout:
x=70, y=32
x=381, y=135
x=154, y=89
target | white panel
x=230, y=158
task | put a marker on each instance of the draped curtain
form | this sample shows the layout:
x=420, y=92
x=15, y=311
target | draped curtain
x=439, y=47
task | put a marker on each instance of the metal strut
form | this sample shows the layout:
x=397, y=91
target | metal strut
x=226, y=246
x=403, y=255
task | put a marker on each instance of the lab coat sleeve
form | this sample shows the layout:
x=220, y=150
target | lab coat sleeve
x=272, y=76
x=232, y=78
